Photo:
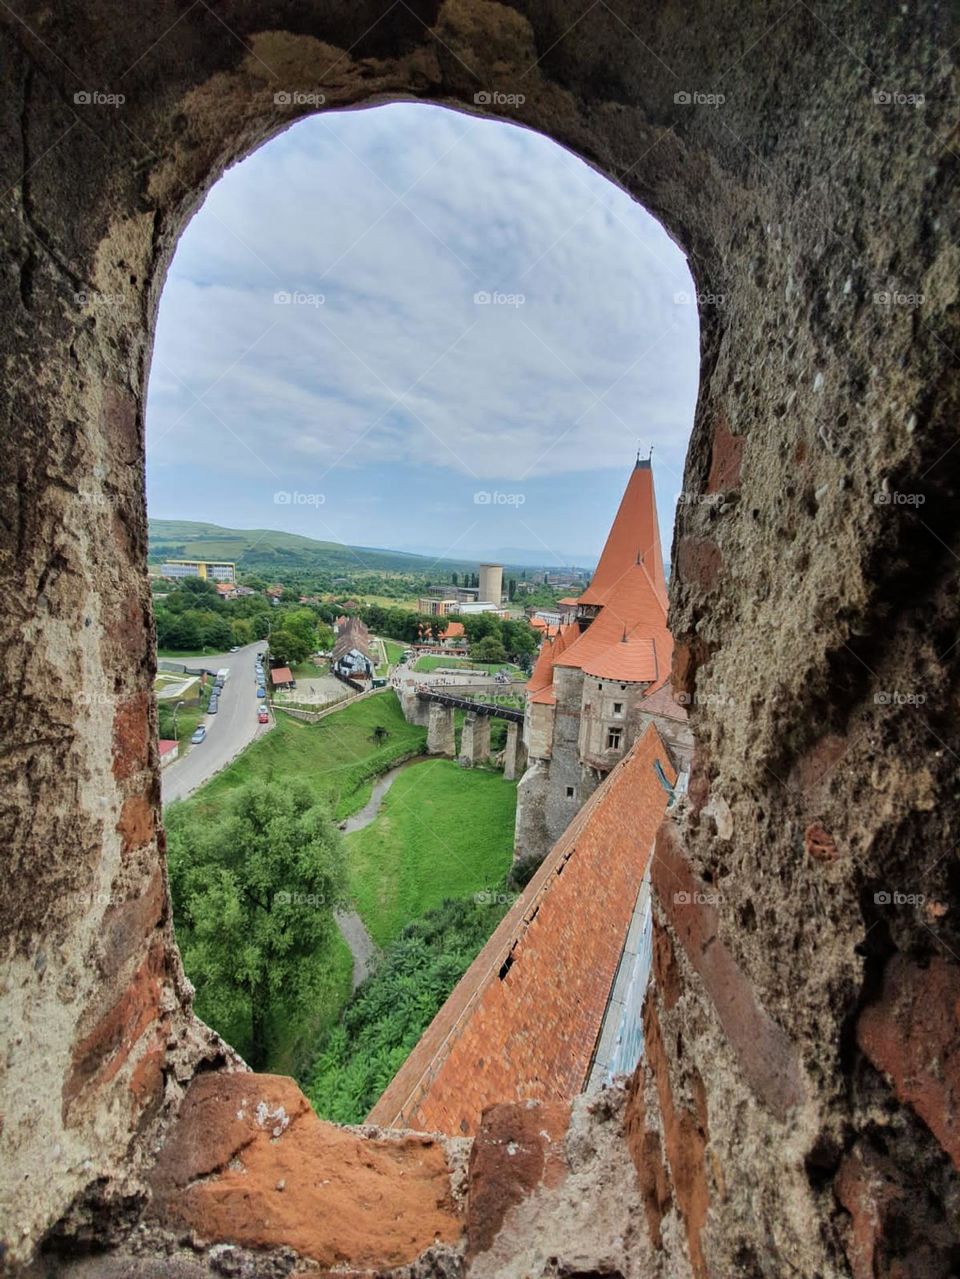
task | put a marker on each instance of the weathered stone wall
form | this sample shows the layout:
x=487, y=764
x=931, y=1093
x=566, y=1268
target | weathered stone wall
x=816, y=204
x=564, y=767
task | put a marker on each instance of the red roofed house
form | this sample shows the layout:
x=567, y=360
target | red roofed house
x=601, y=679
x=281, y=677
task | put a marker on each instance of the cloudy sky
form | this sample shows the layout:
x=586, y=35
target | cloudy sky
x=410, y=328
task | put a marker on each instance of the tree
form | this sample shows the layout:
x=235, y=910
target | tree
x=217, y=632
x=512, y=589
x=254, y=894
x=289, y=647
x=200, y=587
x=379, y=735
x=489, y=649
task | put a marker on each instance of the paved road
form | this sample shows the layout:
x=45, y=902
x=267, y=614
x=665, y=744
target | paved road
x=232, y=728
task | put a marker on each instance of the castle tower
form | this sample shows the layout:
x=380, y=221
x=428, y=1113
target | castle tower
x=603, y=679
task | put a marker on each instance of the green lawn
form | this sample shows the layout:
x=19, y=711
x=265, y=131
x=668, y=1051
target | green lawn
x=431, y=663
x=337, y=755
x=442, y=832
x=188, y=717
x=394, y=651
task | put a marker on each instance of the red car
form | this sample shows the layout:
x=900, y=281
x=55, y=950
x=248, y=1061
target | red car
x=263, y=717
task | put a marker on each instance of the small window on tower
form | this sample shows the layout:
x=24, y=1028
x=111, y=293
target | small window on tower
x=618, y=708
x=569, y=792
x=614, y=736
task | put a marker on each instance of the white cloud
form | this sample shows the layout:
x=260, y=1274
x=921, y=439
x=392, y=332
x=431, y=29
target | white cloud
x=398, y=360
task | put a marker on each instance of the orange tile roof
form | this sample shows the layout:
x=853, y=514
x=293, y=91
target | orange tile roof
x=529, y=1034
x=628, y=639
x=544, y=696
x=281, y=675
x=542, y=674
x=454, y=630
x=569, y=599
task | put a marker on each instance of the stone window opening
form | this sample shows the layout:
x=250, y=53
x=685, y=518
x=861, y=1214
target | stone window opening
x=614, y=738
x=754, y=233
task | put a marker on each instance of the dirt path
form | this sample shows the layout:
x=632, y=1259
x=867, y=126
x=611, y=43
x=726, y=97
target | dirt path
x=363, y=948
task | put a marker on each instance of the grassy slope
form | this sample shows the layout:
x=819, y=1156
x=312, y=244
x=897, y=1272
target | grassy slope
x=442, y=832
x=338, y=758
x=431, y=663
x=394, y=651
x=336, y=755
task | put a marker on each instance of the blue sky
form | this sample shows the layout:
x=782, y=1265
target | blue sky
x=412, y=328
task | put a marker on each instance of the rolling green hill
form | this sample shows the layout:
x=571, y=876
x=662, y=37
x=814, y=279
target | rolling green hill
x=265, y=549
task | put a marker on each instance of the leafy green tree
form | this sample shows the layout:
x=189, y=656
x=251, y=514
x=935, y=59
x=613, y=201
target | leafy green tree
x=489, y=649
x=200, y=587
x=242, y=630
x=254, y=893
x=217, y=632
x=289, y=647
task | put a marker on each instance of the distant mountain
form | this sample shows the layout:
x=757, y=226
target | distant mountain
x=261, y=550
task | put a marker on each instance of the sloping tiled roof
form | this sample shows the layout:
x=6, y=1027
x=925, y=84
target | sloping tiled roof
x=542, y=674
x=351, y=633
x=628, y=639
x=522, y=1023
x=281, y=675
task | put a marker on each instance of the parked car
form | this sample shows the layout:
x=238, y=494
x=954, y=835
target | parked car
x=261, y=691
x=213, y=706
x=235, y=649
x=262, y=716
x=198, y=735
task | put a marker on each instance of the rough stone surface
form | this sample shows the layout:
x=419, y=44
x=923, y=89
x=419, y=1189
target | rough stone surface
x=814, y=604
x=248, y=1161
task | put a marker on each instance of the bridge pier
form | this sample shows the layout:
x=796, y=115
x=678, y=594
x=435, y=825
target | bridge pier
x=515, y=752
x=474, y=740
x=440, y=738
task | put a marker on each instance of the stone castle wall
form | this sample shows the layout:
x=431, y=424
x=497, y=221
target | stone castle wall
x=797, y=1106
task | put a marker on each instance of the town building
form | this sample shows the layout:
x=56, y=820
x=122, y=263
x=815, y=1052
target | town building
x=351, y=657
x=438, y=607
x=601, y=679
x=206, y=570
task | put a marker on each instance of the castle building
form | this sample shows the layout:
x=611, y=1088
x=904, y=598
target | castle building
x=602, y=678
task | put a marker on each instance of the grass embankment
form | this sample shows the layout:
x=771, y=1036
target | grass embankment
x=337, y=756
x=442, y=832
x=392, y=1009
x=187, y=717
x=431, y=662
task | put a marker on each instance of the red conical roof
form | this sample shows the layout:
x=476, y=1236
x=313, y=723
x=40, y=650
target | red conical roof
x=628, y=639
